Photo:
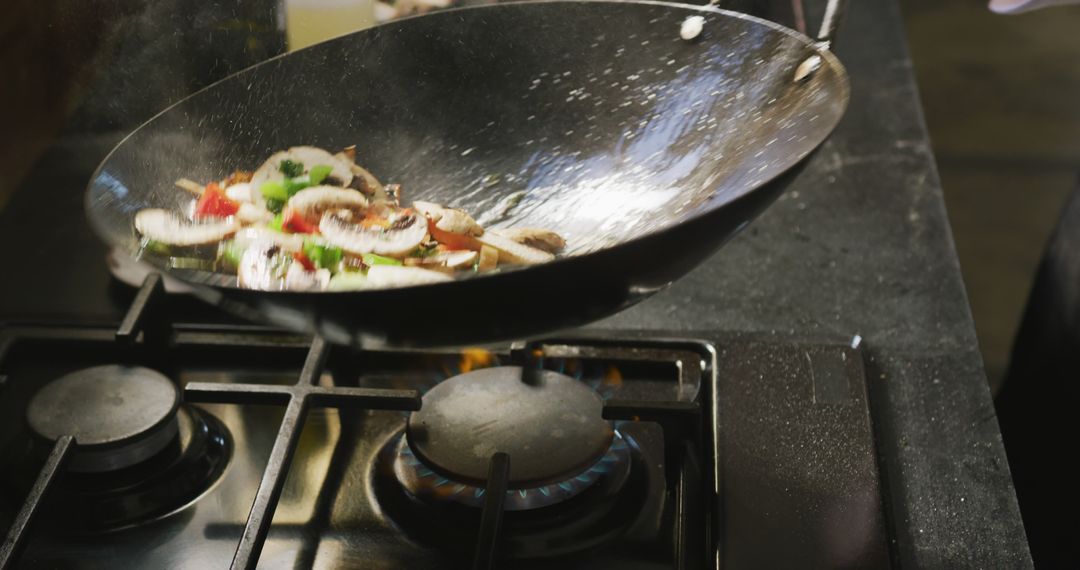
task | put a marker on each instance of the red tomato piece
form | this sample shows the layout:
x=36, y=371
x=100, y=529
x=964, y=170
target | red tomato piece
x=304, y=260
x=213, y=203
x=293, y=222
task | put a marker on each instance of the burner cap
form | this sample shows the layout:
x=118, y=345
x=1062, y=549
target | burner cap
x=549, y=424
x=119, y=415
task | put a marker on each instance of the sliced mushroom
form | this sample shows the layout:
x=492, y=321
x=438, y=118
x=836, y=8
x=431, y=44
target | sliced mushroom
x=386, y=276
x=310, y=203
x=247, y=237
x=168, y=228
x=365, y=181
x=308, y=156
x=450, y=219
x=447, y=260
x=538, y=238
x=239, y=192
x=263, y=266
x=299, y=279
x=511, y=251
x=393, y=193
x=251, y=214
x=402, y=231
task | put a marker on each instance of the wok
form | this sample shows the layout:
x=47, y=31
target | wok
x=644, y=150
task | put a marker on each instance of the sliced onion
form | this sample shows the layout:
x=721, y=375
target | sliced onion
x=387, y=276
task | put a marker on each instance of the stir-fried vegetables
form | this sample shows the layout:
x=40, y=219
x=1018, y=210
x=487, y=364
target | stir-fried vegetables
x=311, y=220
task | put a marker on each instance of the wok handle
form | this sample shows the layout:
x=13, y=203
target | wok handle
x=834, y=12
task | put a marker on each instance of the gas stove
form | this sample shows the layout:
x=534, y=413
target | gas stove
x=160, y=444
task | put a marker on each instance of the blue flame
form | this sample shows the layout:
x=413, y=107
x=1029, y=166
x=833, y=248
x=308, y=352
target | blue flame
x=423, y=483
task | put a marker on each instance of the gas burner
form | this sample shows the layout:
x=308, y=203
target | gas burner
x=549, y=424
x=427, y=485
x=118, y=415
x=139, y=454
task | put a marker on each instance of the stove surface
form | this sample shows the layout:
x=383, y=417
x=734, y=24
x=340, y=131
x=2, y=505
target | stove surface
x=727, y=448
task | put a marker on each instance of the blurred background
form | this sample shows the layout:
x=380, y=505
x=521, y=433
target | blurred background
x=1002, y=102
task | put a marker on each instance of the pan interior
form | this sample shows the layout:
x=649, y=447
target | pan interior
x=593, y=119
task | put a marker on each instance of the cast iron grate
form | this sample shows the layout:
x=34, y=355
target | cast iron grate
x=679, y=419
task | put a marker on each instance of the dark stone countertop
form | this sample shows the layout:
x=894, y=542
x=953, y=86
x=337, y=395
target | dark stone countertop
x=859, y=245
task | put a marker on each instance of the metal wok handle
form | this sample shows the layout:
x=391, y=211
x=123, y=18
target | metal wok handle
x=830, y=23
x=834, y=12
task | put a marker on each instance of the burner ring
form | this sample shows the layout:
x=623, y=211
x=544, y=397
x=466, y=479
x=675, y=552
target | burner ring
x=426, y=485
x=119, y=415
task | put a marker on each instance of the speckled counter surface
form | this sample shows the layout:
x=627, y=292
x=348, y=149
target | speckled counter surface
x=860, y=245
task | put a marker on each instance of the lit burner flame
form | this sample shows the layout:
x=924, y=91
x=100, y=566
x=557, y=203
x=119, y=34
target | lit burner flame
x=612, y=376
x=475, y=358
x=423, y=483
x=470, y=359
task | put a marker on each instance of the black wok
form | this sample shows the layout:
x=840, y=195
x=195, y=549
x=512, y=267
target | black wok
x=644, y=150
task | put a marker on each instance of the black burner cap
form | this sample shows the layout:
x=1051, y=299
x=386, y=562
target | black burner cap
x=118, y=415
x=549, y=424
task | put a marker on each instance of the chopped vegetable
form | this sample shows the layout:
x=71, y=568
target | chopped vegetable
x=489, y=258
x=168, y=228
x=237, y=177
x=274, y=190
x=291, y=168
x=324, y=256
x=302, y=259
x=214, y=203
x=383, y=229
x=275, y=205
x=231, y=253
x=156, y=247
x=545, y=240
x=293, y=222
x=385, y=276
x=452, y=240
x=308, y=220
x=372, y=259
x=514, y=252
x=318, y=173
x=348, y=281
x=190, y=185
x=277, y=224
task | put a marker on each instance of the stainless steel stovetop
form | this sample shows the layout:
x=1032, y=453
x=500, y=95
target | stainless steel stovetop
x=289, y=453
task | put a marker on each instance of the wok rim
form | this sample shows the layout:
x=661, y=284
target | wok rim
x=830, y=59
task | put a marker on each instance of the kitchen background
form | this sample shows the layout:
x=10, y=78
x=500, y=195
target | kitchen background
x=999, y=93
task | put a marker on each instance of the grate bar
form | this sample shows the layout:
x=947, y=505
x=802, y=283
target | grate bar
x=273, y=480
x=150, y=294
x=369, y=398
x=16, y=537
x=498, y=480
x=218, y=393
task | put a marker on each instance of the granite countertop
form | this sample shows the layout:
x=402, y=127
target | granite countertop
x=859, y=245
